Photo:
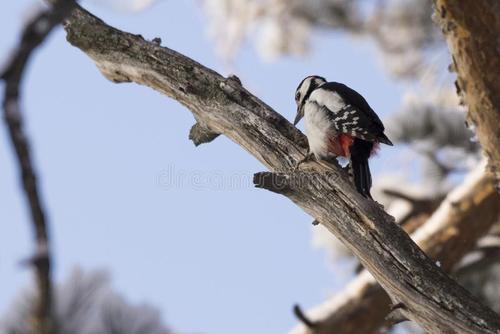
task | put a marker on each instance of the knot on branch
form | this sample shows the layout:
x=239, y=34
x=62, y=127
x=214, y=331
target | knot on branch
x=156, y=40
x=230, y=86
x=201, y=134
x=112, y=72
x=234, y=79
x=396, y=315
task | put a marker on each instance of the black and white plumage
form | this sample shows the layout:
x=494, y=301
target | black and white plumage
x=339, y=122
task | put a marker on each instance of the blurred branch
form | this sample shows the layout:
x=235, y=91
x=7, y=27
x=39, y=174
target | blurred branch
x=87, y=304
x=421, y=208
x=466, y=214
x=488, y=256
x=430, y=297
x=471, y=28
x=479, y=271
x=33, y=35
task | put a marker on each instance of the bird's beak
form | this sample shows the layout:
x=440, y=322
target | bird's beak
x=299, y=116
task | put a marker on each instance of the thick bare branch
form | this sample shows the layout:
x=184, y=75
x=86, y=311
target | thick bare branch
x=466, y=214
x=383, y=251
x=471, y=29
x=430, y=297
x=33, y=35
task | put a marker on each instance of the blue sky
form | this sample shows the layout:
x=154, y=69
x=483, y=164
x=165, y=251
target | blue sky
x=210, y=257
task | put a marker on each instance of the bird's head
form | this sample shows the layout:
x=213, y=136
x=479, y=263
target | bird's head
x=303, y=91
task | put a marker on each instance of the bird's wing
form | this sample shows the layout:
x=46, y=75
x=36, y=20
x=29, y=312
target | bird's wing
x=344, y=116
x=355, y=99
x=350, y=121
x=355, y=117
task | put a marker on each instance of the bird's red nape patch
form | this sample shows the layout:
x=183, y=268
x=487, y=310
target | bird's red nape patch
x=339, y=145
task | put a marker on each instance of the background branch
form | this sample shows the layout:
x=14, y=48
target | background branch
x=33, y=35
x=430, y=297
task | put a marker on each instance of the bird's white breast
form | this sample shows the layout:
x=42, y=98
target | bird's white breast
x=318, y=129
x=318, y=119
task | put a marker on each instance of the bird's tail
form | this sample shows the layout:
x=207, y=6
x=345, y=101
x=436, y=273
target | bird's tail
x=360, y=153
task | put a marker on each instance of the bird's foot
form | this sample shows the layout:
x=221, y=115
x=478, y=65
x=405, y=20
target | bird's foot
x=309, y=157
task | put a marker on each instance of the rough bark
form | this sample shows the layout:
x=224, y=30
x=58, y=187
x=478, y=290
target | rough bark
x=452, y=231
x=472, y=29
x=223, y=106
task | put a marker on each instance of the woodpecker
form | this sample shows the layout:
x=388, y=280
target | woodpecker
x=339, y=122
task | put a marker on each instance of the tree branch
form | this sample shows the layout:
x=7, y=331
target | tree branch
x=33, y=35
x=430, y=297
x=466, y=214
x=471, y=29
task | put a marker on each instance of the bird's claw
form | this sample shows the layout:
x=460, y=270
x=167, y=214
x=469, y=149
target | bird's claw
x=309, y=157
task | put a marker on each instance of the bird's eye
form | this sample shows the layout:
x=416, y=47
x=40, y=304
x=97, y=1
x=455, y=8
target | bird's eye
x=297, y=96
